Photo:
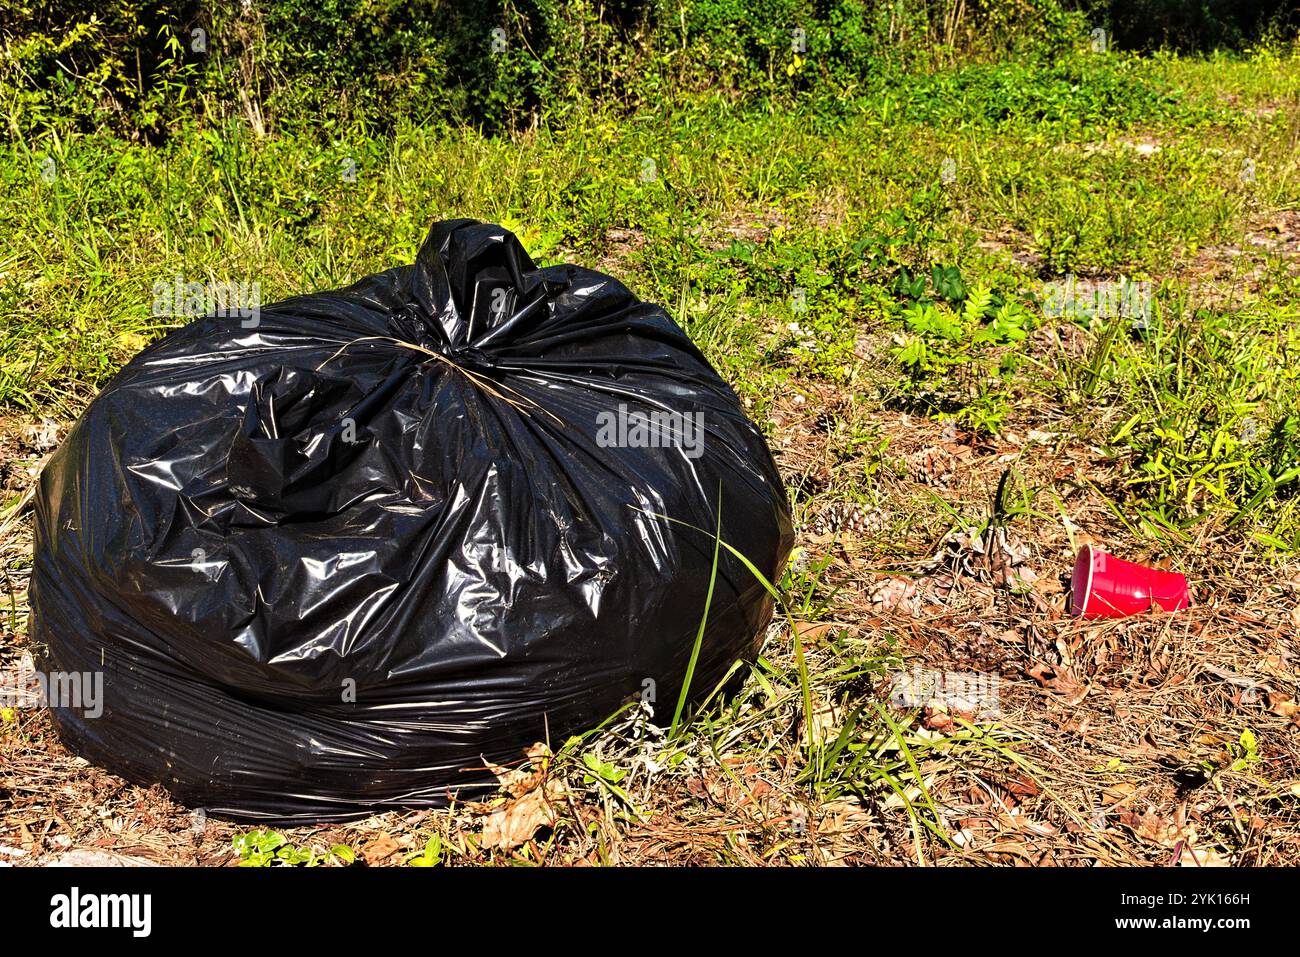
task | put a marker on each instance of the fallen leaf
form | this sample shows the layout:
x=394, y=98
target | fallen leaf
x=810, y=632
x=380, y=849
x=1022, y=785
x=535, y=796
x=518, y=781
x=893, y=594
x=1282, y=705
x=1060, y=681
x=518, y=821
x=1157, y=829
x=938, y=720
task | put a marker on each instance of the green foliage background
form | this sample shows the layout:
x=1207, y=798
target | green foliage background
x=141, y=68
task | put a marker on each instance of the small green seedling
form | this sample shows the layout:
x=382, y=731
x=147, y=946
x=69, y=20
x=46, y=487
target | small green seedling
x=271, y=849
x=431, y=856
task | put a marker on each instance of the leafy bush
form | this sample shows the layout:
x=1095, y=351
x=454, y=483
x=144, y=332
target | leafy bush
x=1148, y=25
x=69, y=61
x=139, y=69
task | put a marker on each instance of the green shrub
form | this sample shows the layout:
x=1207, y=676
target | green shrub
x=140, y=69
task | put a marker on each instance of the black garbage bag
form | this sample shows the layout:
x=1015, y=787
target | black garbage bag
x=331, y=555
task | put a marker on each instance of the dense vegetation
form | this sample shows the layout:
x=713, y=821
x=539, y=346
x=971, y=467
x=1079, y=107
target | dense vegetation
x=142, y=68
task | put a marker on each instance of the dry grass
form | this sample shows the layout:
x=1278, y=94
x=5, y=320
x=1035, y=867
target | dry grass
x=1115, y=742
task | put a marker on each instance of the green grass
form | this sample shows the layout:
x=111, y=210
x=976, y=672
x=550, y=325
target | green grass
x=1215, y=419
x=845, y=203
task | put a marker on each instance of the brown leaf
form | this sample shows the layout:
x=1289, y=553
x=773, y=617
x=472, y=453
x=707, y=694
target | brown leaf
x=811, y=632
x=380, y=849
x=535, y=796
x=938, y=720
x=1157, y=829
x=1022, y=785
x=1059, y=681
x=1282, y=705
x=893, y=594
x=522, y=779
x=1119, y=792
x=519, y=820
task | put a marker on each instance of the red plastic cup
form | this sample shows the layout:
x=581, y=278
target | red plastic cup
x=1108, y=587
